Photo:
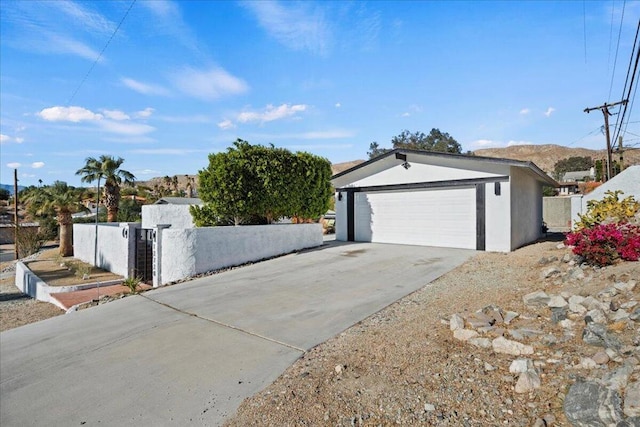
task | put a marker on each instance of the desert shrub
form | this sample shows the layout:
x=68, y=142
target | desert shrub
x=610, y=210
x=28, y=241
x=132, y=283
x=603, y=244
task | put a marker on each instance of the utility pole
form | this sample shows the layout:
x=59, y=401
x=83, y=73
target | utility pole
x=15, y=211
x=620, y=151
x=605, y=110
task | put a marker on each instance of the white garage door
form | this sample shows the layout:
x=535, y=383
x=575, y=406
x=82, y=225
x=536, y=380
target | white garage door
x=435, y=217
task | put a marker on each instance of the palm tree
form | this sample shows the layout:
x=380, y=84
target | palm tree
x=62, y=199
x=107, y=167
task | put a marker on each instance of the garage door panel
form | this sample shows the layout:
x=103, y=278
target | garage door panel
x=442, y=217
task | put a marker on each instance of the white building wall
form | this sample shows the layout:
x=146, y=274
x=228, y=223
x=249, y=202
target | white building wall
x=116, y=244
x=498, y=217
x=526, y=208
x=341, y=216
x=178, y=216
x=188, y=252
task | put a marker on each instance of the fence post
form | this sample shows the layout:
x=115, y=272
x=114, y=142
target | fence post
x=157, y=253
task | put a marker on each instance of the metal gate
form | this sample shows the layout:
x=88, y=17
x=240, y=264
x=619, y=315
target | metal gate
x=144, y=255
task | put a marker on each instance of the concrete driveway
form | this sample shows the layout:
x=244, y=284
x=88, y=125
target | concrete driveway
x=190, y=353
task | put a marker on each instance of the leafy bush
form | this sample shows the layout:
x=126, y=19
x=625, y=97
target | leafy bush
x=28, y=241
x=132, y=283
x=605, y=243
x=610, y=209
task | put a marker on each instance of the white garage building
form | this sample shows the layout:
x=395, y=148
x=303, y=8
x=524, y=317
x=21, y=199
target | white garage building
x=440, y=199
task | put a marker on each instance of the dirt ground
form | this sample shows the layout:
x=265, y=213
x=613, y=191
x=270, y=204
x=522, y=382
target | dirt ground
x=17, y=309
x=402, y=366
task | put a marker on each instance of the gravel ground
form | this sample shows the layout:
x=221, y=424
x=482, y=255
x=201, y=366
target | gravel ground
x=403, y=366
x=17, y=309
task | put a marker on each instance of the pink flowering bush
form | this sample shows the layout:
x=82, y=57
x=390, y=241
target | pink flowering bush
x=602, y=244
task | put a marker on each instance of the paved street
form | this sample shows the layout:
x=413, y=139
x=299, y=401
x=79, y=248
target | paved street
x=190, y=353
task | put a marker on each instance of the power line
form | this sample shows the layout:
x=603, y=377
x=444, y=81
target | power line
x=613, y=73
x=84, y=79
x=620, y=118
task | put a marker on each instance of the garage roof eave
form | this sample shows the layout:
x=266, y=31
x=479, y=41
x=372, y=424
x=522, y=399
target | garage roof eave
x=535, y=170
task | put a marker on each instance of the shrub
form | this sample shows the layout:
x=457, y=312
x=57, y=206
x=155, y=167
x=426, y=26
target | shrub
x=610, y=209
x=28, y=241
x=603, y=244
x=132, y=283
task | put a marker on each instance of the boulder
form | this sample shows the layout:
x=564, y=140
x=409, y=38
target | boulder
x=456, y=322
x=464, y=334
x=632, y=400
x=597, y=334
x=505, y=346
x=528, y=381
x=589, y=404
x=536, y=299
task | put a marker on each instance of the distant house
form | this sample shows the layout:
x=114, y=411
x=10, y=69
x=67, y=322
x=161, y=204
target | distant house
x=569, y=183
x=440, y=199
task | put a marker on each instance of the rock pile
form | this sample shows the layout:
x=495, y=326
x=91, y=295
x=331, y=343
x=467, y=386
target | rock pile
x=605, y=362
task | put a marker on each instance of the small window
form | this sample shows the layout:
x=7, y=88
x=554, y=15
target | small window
x=496, y=188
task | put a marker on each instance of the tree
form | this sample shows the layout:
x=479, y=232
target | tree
x=64, y=200
x=572, y=164
x=5, y=194
x=107, y=167
x=257, y=184
x=601, y=169
x=435, y=141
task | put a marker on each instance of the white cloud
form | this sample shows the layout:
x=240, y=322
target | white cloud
x=93, y=22
x=65, y=45
x=147, y=172
x=115, y=115
x=271, y=113
x=19, y=140
x=338, y=105
x=298, y=26
x=144, y=88
x=209, y=84
x=226, y=124
x=549, y=111
x=525, y=111
x=68, y=114
x=512, y=143
x=406, y=114
x=37, y=165
x=147, y=112
x=13, y=165
x=4, y=138
x=126, y=128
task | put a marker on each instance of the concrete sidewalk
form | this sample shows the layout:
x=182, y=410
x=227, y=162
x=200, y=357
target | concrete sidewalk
x=190, y=353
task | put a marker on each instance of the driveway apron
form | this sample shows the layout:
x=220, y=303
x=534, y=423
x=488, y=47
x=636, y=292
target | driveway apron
x=190, y=353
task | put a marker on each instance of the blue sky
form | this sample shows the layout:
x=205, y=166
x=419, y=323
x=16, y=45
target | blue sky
x=179, y=80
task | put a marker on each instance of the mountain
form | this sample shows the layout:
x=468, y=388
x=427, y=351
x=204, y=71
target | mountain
x=546, y=156
x=10, y=187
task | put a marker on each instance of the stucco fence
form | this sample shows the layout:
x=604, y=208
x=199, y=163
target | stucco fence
x=179, y=253
x=8, y=231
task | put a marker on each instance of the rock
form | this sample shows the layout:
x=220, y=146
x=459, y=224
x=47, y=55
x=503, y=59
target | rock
x=480, y=342
x=338, y=369
x=587, y=363
x=577, y=308
x=576, y=274
x=628, y=304
x=549, y=339
x=567, y=258
x=479, y=320
x=632, y=400
x=528, y=381
x=567, y=324
x=556, y=301
x=519, y=366
x=522, y=333
x=588, y=404
x=600, y=357
x=558, y=314
x=560, y=246
x=591, y=303
x=505, y=346
x=576, y=299
x=509, y=316
x=595, y=316
x=493, y=313
x=550, y=272
x=597, y=334
x=456, y=322
x=464, y=334
x=614, y=355
x=536, y=299
x=625, y=287
x=618, y=379
x=488, y=367
x=428, y=407
x=607, y=293
x=635, y=315
x=619, y=315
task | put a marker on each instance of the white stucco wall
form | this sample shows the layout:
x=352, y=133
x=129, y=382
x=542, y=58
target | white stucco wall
x=178, y=216
x=190, y=251
x=116, y=245
x=341, y=217
x=498, y=217
x=526, y=208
